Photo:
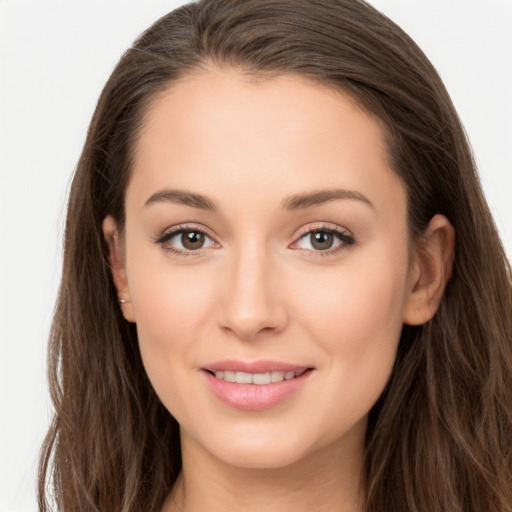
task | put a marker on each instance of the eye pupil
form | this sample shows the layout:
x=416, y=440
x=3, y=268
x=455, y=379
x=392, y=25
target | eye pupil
x=322, y=240
x=192, y=239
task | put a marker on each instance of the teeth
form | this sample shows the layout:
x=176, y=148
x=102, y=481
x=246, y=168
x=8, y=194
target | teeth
x=230, y=376
x=243, y=378
x=260, y=379
x=277, y=376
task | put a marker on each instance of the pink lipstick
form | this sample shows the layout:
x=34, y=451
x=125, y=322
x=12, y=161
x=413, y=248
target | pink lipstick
x=254, y=386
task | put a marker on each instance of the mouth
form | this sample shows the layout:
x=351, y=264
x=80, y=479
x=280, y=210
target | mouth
x=258, y=379
x=257, y=385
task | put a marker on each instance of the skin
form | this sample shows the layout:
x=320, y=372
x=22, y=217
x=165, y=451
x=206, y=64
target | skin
x=259, y=289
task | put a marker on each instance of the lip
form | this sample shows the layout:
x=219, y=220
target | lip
x=262, y=366
x=251, y=397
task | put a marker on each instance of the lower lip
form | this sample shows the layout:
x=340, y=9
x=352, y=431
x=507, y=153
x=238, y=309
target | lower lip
x=253, y=397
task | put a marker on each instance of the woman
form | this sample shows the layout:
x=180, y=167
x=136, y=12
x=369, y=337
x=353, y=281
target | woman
x=282, y=286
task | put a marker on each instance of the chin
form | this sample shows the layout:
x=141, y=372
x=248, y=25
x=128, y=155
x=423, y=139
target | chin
x=260, y=446
x=261, y=456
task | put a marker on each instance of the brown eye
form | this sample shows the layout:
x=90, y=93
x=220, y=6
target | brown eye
x=324, y=240
x=192, y=240
x=321, y=240
x=186, y=241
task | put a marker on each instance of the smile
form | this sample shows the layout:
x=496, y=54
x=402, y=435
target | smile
x=259, y=379
x=255, y=386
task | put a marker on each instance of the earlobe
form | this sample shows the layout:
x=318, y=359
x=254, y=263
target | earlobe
x=430, y=271
x=117, y=266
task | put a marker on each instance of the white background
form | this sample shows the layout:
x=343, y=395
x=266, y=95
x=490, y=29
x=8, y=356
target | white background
x=55, y=57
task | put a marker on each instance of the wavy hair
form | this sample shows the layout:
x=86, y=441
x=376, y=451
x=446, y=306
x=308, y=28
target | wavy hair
x=440, y=436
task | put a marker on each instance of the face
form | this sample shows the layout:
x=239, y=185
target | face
x=265, y=243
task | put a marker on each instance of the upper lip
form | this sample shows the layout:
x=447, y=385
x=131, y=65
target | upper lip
x=263, y=366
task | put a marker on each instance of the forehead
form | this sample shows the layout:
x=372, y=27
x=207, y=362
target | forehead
x=221, y=131
x=289, y=103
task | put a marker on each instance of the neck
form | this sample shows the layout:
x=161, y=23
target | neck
x=328, y=480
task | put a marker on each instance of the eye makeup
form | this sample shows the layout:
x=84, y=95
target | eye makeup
x=319, y=239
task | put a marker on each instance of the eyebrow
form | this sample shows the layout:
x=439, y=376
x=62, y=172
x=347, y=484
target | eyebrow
x=295, y=202
x=319, y=197
x=182, y=197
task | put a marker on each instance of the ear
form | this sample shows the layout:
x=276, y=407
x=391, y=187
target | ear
x=430, y=271
x=117, y=266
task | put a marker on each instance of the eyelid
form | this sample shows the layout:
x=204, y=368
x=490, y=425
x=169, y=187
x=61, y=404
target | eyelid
x=173, y=231
x=345, y=236
x=322, y=226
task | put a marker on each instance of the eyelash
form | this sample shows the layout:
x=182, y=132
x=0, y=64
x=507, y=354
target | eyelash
x=169, y=235
x=344, y=236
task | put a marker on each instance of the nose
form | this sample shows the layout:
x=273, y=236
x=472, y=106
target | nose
x=252, y=303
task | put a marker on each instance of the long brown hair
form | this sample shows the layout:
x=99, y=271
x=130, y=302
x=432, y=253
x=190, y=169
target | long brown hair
x=440, y=437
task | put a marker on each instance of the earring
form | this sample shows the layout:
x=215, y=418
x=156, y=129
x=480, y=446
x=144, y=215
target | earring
x=123, y=301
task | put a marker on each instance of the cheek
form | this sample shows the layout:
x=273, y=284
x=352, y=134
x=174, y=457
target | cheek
x=357, y=299
x=172, y=307
x=357, y=324
x=167, y=298
x=355, y=315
